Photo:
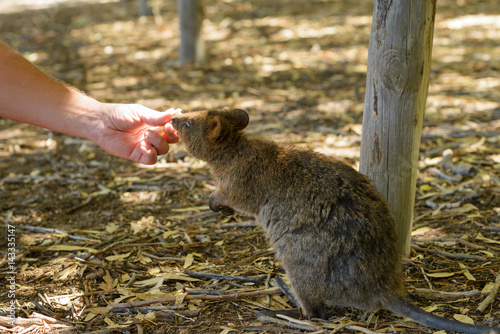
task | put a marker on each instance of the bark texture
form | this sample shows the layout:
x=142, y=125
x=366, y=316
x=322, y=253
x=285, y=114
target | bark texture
x=399, y=58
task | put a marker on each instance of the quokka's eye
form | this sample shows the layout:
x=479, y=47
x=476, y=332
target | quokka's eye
x=187, y=124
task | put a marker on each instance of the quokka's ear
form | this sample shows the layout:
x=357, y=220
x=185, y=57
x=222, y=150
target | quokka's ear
x=239, y=119
x=217, y=126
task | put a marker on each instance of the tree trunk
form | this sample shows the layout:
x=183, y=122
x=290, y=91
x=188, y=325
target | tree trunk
x=399, y=58
x=192, y=48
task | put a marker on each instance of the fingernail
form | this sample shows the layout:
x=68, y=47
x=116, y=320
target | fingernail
x=148, y=134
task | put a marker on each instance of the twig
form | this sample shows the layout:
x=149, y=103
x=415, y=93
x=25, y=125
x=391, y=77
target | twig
x=265, y=329
x=256, y=256
x=487, y=301
x=55, y=231
x=170, y=315
x=130, y=281
x=36, y=319
x=444, y=176
x=147, y=309
x=236, y=285
x=294, y=320
x=229, y=296
x=23, y=322
x=450, y=255
x=491, y=228
x=84, y=294
x=195, y=274
x=249, y=223
x=457, y=240
x=40, y=307
x=361, y=329
x=286, y=290
x=460, y=169
x=79, y=206
x=426, y=278
x=444, y=295
x=351, y=325
x=204, y=292
x=103, y=331
x=301, y=326
x=50, y=319
x=160, y=311
x=345, y=325
x=164, y=258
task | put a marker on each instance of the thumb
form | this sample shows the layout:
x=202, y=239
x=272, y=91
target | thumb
x=156, y=118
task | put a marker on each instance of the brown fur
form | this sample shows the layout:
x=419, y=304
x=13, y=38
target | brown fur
x=332, y=231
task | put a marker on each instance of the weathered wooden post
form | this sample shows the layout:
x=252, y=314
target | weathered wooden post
x=399, y=58
x=144, y=9
x=192, y=48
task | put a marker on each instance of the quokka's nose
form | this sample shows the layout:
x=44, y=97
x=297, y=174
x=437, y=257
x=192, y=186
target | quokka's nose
x=175, y=121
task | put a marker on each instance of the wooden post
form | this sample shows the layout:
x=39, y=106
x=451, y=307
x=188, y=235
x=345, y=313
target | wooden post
x=191, y=16
x=144, y=9
x=399, y=58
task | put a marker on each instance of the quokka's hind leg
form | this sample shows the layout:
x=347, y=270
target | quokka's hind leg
x=309, y=307
x=309, y=311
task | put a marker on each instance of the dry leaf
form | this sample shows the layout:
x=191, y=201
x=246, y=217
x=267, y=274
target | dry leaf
x=421, y=231
x=226, y=330
x=488, y=288
x=169, y=233
x=479, y=236
x=188, y=260
x=111, y=227
x=98, y=310
x=463, y=318
x=488, y=254
x=143, y=259
x=466, y=272
x=442, y=274
x=124, y=277
x=118, y=257
x=193, y=208
x=430, y=308
x=108, y=282
x=150, y=316
x=66, y=272
x=179, y=298
x=71, y=248
x=425, y=188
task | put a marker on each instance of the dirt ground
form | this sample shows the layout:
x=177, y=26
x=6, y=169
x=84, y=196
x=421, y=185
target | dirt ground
x=93, y=230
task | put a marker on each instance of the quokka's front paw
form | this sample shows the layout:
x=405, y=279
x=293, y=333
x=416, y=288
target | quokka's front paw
x=217, y=207
x=226, y=210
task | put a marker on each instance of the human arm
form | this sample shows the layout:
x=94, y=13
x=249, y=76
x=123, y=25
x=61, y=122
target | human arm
x=125, y=130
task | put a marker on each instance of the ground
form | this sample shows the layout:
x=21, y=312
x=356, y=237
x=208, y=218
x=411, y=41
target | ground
x=92, y=230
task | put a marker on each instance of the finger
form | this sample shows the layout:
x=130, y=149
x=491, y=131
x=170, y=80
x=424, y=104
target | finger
x=173, y=111
x=148, y=154
x=156, y=140
x=170, y=133
x=156, y=118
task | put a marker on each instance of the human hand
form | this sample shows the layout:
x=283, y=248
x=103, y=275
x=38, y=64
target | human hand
x=132, y=131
